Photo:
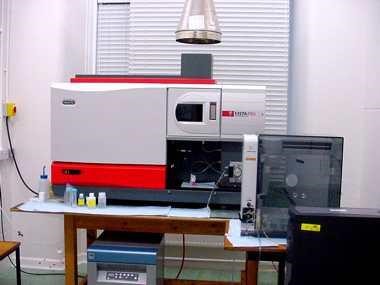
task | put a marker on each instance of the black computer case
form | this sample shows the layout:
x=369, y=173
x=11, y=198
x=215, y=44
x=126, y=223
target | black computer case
x=333, y=246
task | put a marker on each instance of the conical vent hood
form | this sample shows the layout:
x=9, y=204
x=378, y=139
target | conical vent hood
x=198, y=24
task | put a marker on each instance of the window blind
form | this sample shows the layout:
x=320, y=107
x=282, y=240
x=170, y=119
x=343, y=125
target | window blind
x=254, y=48
x=112, y=37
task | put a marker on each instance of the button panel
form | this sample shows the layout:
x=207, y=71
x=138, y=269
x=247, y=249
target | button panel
x=127, y=276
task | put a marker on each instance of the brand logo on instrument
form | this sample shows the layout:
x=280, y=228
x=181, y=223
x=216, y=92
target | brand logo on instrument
x=68, y=102
x=242, y=114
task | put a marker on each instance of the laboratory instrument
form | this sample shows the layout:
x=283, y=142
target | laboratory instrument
x=126, y=258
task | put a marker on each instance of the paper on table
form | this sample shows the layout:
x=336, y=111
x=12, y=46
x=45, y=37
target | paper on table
x=249, y=241
x=59, y=207
x=50, y=207
x=190, y=213
x=279, y=240
x=234, y=227
x=123, y=211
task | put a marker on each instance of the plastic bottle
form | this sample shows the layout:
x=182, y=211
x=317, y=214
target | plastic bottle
x=67, y=195
x=73, y=197
x=91, y=201
x=102, y=200
x=81, y=200
x=43, y=186
x=70, y=196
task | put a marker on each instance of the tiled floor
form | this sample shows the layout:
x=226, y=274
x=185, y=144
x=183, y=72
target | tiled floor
x=267, y=276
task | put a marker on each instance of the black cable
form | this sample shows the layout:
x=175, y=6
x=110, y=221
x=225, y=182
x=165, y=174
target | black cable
x=10, y=260
x=215, y=186
x=14, y=159
x=273, y=265
x=183, y=257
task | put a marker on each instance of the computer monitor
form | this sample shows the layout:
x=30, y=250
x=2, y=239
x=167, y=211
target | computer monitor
x=299, y=171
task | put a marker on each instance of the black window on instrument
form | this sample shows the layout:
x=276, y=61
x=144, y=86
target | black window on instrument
x=189, y=112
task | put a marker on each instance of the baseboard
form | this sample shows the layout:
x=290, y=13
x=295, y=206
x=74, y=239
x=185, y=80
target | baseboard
x=212, y=264
x=42, y=263
x=210, y=259
x=170, y=261
x=195, y=240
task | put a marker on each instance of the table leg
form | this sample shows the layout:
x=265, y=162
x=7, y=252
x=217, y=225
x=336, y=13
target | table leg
x=18, y=266
x=243, y=275
x=281, y=272
x=251, y=270
x=71, y=261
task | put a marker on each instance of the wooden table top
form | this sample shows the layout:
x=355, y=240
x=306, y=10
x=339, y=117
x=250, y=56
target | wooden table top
x=7, y=247
x=160, y=224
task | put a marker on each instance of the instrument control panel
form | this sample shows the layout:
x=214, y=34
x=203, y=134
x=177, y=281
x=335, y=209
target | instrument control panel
x=124, y=276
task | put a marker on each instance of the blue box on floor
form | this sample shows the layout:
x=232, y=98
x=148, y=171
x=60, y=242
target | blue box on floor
x=126, y=258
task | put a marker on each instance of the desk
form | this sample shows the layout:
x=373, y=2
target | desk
x=255, y=254
x=155, y=224
x=6, y=248
x=151, y=224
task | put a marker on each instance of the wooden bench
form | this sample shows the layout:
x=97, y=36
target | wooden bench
x=8, y=247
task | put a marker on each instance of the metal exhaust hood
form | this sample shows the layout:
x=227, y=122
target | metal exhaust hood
x=198, y=24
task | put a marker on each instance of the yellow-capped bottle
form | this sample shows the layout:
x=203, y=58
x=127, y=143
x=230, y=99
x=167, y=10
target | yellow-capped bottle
x=81, y=200
x=91, y=201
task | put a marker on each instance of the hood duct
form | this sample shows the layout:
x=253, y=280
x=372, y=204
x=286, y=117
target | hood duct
x=198, y=24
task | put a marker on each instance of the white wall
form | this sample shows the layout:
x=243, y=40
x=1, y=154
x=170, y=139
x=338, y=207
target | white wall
x=370, y=196
x=334, y=91
x=47, y=44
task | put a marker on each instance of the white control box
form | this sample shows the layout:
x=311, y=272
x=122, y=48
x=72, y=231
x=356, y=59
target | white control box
x=249, y=180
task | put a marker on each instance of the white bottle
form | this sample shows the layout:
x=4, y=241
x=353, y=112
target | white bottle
x=102, y=200
x=43, y=186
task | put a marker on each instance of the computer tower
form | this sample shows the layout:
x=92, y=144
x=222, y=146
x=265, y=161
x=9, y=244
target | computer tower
x=299, y=171
x=333, y=246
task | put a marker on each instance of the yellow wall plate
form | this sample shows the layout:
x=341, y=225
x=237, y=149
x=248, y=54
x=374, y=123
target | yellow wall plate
x=10, y=109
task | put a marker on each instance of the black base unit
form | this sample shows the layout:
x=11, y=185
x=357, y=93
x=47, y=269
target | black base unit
x=333, y=246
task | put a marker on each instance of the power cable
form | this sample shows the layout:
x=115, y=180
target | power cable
x=214, y=188
x=273, y=265
x=183, y=257
x=3, y=236
x=14, y=159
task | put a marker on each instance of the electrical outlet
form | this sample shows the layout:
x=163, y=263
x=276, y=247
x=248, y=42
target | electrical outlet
x=9, y=109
